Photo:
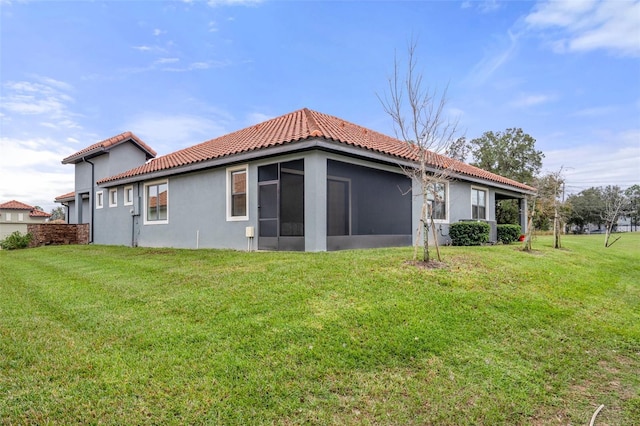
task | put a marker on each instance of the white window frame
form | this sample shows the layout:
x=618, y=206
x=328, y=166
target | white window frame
x=127, y=190
x=229, y=192
x=99, y=199
x=20, y=217
x=7, y=217
x=145, y=201
x=446, y=202
x=113, y=197
x=486, y=202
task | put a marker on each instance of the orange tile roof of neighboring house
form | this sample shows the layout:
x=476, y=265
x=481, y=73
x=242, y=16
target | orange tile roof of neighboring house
x=15, y=205
x=106, y=144
x=39, y=213
x=302, y=125
x=66, y=197
x=153, y=201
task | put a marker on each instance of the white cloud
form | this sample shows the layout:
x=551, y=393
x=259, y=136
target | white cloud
x=142, y=48
x=158, y=32
x=213, y=27
x=612, y=159
x=494, y=59
x=203, y=65
x=29, y=98
x=524, y=101
x=167, y=133
x=31, y=170
x=257, y=117
x=595, y=111
x=166, y=61
x=589, y=25
x=214, y=3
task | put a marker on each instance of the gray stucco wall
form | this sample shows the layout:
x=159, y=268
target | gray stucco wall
x=111, y=225
x=197, y=212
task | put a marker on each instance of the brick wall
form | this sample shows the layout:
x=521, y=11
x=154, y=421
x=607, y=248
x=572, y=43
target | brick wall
x=56, y=234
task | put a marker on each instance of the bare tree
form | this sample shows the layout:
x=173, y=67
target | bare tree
x=614, y=205
x=419, y=119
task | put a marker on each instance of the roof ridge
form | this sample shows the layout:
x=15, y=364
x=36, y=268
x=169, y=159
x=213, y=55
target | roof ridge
x=106, y=144
x=299, y=125
x=15, y=205
x=314, y=129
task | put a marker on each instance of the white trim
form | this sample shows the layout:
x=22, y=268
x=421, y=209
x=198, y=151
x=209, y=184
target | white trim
x=228, y=193
x=486, y=202
x=145, y=221
x=126, y=190
x=100, y=199
x=113, y=202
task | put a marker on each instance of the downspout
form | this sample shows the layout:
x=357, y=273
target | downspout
x=92, y=201
x=135, y=212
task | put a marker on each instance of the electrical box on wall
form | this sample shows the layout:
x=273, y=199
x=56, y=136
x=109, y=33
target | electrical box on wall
x=249, y=232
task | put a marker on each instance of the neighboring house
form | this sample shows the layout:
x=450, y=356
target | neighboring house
x=302, y=181
x=15, y=216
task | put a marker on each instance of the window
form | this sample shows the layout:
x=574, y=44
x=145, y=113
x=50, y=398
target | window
x=8, y=217
x=20, y=217
x=99, y=200
x=156, y=200
x=113, y=197
x=128, y=195
x=437, y=197
x=478, y=203
x=237, y=200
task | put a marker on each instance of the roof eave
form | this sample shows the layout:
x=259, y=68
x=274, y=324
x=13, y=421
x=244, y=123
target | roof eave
x=310, y=143
x=75, y=159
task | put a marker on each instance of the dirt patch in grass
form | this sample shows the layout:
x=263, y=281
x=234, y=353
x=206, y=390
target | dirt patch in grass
x=427, y=265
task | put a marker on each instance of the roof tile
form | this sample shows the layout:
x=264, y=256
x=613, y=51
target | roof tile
x=302, y=125
x=67, y=196
x=15, y=205
x=106, y=144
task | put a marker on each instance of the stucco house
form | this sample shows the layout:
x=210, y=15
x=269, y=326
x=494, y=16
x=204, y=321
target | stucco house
x=15, y=216
x=302, y=181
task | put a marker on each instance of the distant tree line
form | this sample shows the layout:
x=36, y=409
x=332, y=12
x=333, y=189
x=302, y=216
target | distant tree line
x=603, y=206
x=512, y=154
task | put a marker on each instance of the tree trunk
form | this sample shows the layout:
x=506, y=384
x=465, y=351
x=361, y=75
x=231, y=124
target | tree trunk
x=416, y=245
x=435, y=239
x=425, y=228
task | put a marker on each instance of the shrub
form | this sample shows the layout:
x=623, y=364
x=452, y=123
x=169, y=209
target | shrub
x=469, y=233
x=508, y=234
x=16, y=241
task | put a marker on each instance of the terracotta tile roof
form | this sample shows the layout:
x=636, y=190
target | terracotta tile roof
x=66, y=197
x=153, y=201
x=39, y=213
x=17, y=205
x=297, y=126
x=107, y=144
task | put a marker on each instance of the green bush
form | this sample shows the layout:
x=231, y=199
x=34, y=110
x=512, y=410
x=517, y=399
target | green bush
x=469, y=233
x=16, y=241
x=507, y=234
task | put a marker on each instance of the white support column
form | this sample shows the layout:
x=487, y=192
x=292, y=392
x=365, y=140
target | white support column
x=315, y=201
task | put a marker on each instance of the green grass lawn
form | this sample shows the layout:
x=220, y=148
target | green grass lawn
x=116, y=335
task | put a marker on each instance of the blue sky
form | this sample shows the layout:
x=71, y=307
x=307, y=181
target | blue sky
x=178, y=73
